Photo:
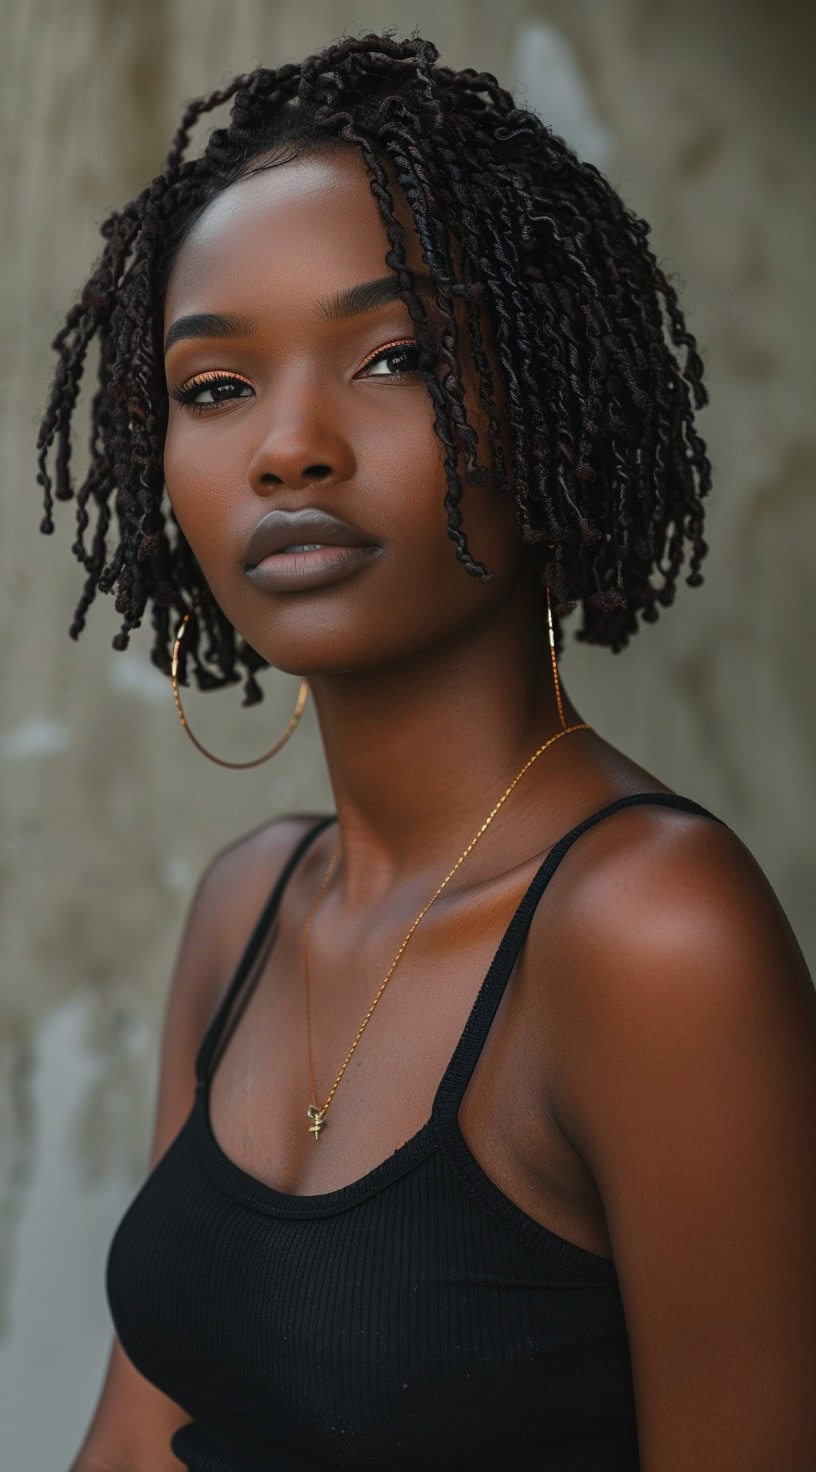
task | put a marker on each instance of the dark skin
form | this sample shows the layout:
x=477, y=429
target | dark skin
x=415, y=666
x=648, y=1086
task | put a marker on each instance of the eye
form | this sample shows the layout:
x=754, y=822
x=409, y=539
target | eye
x=208, y=390
x=395, y=360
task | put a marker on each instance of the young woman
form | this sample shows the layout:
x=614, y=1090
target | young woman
x=497, y=1151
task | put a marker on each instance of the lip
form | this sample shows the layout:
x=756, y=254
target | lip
x=328, y=550
x=280, y=529
x=297, y=572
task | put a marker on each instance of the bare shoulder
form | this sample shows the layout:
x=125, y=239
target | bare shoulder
x=654, y=888
x=238, y=881
x=684, y=1074
x=227, y=902
x=656, y=911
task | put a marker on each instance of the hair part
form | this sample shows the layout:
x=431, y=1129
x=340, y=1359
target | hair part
x=600, y=378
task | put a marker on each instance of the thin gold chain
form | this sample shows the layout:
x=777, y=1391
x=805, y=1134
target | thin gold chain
x=317, y=1115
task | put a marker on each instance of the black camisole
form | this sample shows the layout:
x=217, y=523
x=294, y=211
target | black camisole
x=415, y=1320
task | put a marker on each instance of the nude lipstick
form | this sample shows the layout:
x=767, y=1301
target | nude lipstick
x=295, y=551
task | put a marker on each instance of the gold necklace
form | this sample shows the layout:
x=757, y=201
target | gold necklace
x=317, y=1116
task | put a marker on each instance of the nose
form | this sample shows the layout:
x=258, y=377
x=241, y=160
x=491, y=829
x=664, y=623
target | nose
x=302, y=444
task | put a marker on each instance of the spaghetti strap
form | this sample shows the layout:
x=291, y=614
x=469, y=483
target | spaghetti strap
x=251, y=950
x=526, y=910
x=457, y=1075
x=416, y=1316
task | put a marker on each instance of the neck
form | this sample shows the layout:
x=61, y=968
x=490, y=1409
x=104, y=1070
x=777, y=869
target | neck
x=420, y=751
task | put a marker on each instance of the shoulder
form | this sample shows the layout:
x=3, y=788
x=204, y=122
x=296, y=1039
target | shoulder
x=685, y=1077
x=226, y=903
x=237, y=882
x=664, y=927
x=247, y=867
x=654, y=891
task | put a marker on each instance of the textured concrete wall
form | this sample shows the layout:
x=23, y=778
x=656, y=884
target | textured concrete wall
x=702, y=115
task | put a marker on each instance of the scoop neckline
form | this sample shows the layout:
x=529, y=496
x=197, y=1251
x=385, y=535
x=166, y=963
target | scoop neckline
x=441, y=1132
x=444, y=1109
x=442, y=1129
x=263, y=1196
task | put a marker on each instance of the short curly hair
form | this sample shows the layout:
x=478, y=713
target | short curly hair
x=600, y=378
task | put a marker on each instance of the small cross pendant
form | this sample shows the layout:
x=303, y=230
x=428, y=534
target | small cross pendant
x=316, y=1115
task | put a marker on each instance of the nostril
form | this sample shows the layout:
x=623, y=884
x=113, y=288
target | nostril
x=317, y=472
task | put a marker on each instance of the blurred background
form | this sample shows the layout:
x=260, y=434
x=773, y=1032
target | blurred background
x=702, y=115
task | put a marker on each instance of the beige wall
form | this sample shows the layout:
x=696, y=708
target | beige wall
x=703, y=113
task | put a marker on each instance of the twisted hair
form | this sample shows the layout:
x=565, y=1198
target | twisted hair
x=600, y=377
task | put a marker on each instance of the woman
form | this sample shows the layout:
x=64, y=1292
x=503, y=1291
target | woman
x=498, y=1148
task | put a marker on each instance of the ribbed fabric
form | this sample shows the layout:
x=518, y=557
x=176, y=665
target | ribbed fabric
x=415, y=1320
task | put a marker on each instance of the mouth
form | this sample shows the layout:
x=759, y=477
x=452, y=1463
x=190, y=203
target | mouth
x=294, y=551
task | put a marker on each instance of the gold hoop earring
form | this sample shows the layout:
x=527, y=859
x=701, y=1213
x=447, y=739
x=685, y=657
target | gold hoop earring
x=235, y=766
x=554, y=661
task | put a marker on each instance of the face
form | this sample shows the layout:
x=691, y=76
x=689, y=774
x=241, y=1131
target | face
x=298, y=420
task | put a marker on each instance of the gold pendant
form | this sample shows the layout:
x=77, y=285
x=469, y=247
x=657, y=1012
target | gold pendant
x=316, y=1115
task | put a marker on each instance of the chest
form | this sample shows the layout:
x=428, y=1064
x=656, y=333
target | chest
x=384, y=1096
x=410, y=1324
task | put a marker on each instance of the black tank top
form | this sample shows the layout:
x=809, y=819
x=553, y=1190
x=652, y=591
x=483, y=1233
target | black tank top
x=415, y=1320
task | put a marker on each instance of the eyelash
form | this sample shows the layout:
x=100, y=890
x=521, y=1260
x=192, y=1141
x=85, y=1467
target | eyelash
x=185, y=393
x=383, y=352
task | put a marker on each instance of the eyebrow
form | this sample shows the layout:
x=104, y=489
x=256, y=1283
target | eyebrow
x=370, y=294
x=352, y=302
x=207, y=324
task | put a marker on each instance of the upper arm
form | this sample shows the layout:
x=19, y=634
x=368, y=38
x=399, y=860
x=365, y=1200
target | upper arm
x=134, y=1421
x=688, y=1084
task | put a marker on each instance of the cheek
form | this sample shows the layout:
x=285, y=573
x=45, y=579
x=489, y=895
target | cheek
x=405, y=466
x=404, y=477
x=398, y=491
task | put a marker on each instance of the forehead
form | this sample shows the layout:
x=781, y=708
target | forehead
x=292, y=232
